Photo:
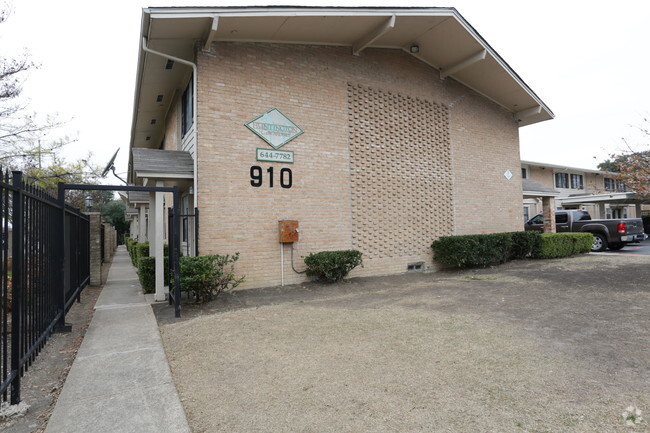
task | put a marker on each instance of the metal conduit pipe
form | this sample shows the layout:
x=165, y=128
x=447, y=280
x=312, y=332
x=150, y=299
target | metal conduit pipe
x=145, y=48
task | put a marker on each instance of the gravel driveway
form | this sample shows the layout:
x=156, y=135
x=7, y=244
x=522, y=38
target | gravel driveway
x=530, y=346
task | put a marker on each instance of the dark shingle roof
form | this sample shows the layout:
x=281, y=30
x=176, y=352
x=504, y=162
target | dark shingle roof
x=531, y=187
x=162, y=161
x=138, y=197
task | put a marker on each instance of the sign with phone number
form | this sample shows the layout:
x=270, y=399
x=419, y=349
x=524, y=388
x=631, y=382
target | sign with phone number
x=275, y=155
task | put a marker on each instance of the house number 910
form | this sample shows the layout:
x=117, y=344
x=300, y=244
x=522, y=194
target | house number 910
x=286, y=177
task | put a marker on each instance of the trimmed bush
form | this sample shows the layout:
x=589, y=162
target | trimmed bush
x=147, y=273
x=128, y=242
x=140, y=249
x=332, y=266
x=485, y=250
x=556, y=245
x=474, y=250
x=525, y=244
x=205, y=277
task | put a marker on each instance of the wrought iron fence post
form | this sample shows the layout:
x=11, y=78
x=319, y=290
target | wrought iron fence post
x=16, y=284
x=59, y=288
x=170, y=269
x=196, y=231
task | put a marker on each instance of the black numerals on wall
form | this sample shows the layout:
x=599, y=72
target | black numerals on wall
x=257, y=177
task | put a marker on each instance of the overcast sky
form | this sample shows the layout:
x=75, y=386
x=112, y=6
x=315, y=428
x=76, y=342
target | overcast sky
x=587, y=60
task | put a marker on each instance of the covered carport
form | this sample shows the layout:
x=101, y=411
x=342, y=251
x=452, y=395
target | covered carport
x=600, y=201
x=537, y=192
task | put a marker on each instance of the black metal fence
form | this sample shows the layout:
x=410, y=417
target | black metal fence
x=189, y=232
x=37, y=283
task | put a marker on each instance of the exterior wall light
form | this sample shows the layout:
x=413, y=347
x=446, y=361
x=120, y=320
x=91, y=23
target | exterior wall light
x=89, y=203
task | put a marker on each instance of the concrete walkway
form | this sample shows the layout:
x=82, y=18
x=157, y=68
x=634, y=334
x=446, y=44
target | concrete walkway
x=120, y=380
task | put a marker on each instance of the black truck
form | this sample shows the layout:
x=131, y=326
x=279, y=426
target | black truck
x=610, y=233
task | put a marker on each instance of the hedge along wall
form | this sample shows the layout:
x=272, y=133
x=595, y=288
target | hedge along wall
x=485, y=250
x=556, y=245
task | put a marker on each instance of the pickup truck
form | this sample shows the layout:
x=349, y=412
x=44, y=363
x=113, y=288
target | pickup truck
x=611, y=233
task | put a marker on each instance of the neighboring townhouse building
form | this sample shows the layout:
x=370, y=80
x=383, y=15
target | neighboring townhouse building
x=598, y=192
x=376, y=129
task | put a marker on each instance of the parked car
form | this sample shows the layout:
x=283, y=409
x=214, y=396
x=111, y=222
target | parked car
x=608, y=233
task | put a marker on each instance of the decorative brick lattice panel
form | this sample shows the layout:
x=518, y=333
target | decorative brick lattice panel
x=401, y=172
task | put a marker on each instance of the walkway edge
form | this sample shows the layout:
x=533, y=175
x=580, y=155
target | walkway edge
x=120, y=381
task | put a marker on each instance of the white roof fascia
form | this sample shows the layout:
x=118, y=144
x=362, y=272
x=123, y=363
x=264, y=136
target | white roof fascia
x=566, y=168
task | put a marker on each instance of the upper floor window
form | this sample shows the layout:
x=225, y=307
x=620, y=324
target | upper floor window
x=561, y=180
x=609, y=184
x=524, y=173
x=620, y=186
x=187, y=108
x=576, y=181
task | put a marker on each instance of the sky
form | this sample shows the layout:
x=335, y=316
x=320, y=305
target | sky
x=587, y=60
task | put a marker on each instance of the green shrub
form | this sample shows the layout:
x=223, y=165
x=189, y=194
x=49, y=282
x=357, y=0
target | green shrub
x=205, y=277
x=140, y=249
x=474, y=250
x=128, y=242
x=583, y=242
x=332, y=265
x=147, y=273
x=525, y=244
x=130, y=246
x=556, y=245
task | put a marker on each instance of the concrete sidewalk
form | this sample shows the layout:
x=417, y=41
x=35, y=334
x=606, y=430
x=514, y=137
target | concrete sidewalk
x=120, y=380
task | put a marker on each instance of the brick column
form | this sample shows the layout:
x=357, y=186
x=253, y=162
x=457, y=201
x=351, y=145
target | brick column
x=108, y=247
x=548, y=204
x=95, y=249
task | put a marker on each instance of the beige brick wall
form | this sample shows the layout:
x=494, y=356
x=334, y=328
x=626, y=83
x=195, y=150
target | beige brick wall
x=310, y=85
x=542, y=175
x=400, y=176
x=485, y=144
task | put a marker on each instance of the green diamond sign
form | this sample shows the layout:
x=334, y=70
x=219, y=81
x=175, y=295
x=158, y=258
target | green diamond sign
x=275, y=128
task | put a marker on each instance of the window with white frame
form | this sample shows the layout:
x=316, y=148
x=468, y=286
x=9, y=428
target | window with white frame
x=187, y=108
x=561, y=180
x=610, y=185
x=576, y=181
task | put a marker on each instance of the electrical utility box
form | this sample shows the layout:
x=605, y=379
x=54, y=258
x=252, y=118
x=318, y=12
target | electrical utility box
x=288, y=231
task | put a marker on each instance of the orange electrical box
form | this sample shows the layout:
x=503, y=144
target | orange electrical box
x=288, y=231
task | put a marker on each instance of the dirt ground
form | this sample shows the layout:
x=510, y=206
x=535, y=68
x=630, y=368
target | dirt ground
x=43, y=381
x=530, y=346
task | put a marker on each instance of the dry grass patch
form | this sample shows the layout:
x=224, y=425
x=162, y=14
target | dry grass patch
x=304, y=368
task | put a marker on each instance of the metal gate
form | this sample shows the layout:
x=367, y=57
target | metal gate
x=174, y=227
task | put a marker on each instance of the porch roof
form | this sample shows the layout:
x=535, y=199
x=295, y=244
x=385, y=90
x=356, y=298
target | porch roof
x=170, y=166
x=138, y=197
x=532, y=188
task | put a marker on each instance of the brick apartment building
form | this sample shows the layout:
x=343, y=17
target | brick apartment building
x=375, y=129
x=598, y=192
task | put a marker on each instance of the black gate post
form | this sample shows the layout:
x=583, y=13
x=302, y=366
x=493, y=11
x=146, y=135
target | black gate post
x=175, y=254
x=171, y=265
x=196, y=231
x=16, y=284
x=59, y=288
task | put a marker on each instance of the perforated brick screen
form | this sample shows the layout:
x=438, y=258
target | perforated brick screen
x=401, y=172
